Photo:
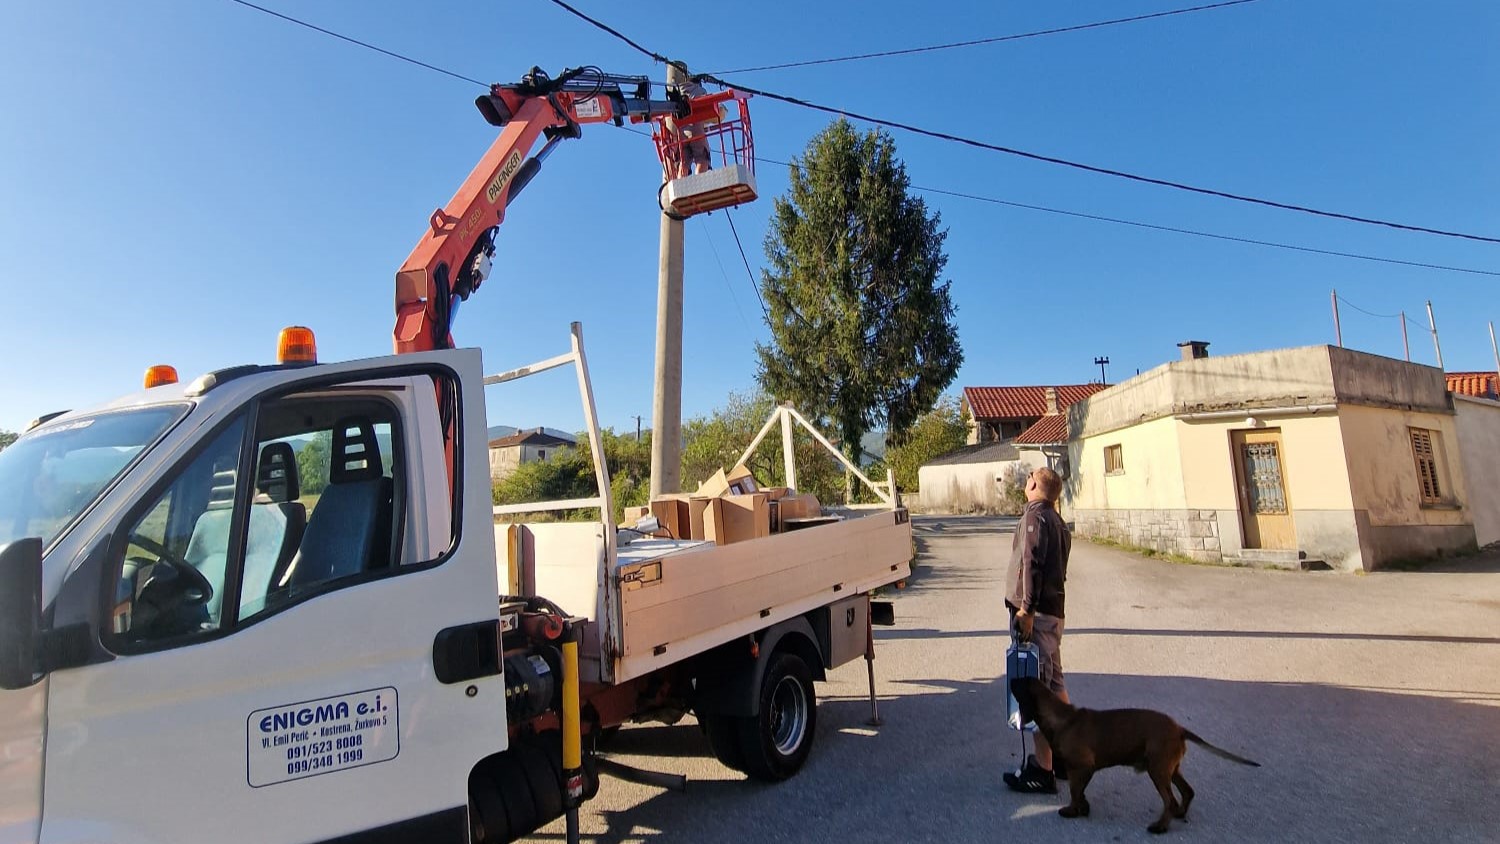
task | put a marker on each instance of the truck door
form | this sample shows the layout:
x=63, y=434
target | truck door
x=268, y=610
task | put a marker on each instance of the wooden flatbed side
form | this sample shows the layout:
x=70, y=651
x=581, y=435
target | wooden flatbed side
x=697, y=598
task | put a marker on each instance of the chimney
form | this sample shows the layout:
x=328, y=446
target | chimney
x=1051, y=401
x=1193, y=349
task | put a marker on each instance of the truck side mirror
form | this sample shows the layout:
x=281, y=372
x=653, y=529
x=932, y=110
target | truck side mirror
x=20, y=611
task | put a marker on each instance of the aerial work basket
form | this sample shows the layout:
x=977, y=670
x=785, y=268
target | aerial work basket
x=707, y=157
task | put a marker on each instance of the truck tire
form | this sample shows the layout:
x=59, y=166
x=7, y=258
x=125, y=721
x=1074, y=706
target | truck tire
x=723, y=732
x=774, y=744
x=515, y=792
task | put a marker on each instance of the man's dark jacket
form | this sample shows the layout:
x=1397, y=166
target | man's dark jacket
x=1038, y=561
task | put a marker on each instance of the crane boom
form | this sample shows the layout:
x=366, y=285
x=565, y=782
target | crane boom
x=452, y=260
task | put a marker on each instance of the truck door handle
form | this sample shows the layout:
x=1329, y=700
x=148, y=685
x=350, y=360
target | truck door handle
x=467, y=652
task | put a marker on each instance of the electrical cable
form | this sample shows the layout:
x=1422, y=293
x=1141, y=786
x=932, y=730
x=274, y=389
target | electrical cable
x=1163, y=228
x=1033, y=156
x=756, y=287
x=974, y=197
x=980, y=41
x=357, y=42
x=1342, y=300
x=733, y=298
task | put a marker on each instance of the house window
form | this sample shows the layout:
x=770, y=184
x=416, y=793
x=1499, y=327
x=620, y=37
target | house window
x=541, y=454
x=1114, y=460
x=1425, y=447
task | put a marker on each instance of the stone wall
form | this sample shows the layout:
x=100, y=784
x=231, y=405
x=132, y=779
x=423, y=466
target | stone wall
x=1188, y=533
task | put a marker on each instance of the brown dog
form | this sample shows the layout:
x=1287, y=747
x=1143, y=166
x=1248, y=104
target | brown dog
x=1087, y=740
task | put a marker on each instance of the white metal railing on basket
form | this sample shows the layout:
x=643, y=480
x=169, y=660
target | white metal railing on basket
x=786, y=415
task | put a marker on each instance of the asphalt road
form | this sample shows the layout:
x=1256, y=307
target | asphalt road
x=1373, y=703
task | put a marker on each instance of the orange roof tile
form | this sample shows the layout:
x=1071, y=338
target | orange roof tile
x=1481, y=384
x=1049, y=430
x=1022, y=402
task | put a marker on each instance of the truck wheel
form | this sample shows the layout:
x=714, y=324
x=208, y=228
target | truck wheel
x=723, y=733
x=776, y=742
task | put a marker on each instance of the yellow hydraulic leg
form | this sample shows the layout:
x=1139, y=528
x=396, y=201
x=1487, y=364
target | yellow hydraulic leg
x=572, y=732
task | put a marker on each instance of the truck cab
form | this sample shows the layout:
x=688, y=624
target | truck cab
x=234, y=590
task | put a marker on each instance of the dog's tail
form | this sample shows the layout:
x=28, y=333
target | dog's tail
x=1217, y=751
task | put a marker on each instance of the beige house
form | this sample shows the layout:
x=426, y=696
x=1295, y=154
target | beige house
x=1295, y=457
x=508, y=453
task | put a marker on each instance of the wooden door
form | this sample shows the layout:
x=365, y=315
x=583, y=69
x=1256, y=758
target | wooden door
x=1265, y=509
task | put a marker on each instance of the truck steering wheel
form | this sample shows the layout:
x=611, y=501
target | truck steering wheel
x=173, y=585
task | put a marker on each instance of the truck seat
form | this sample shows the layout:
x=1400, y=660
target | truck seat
x=277, y=522
x=349, y=531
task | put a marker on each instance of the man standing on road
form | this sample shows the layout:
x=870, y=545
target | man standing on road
x=1034, y=583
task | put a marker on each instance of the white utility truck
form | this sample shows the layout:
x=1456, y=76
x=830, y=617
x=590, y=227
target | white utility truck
x=267, y=606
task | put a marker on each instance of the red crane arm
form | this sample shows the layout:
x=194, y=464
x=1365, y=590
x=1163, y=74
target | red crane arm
x=453, y=257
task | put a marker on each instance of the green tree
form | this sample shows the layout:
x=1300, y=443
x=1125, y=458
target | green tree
x=312, y=463
x=6, y=438
x=936, y=433
x=862, y=331
x=569, y=473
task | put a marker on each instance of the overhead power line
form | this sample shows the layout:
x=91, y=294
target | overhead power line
x=981, y=41
x=357, y=42
x=1033, y=156
x=1365, y=312
x=1083, y=215
x=749, y=272
x=945, y=192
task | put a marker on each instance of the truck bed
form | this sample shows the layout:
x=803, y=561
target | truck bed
x=666, y=600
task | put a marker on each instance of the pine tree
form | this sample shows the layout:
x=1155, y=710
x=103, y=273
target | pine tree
x=862, y=332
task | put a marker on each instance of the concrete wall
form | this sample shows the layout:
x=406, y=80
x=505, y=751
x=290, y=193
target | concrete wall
x=1152, y=476
x=1363, y=378
x=1277, y=378
x=1314, y=472
x=969, y=487
x=1478, y=423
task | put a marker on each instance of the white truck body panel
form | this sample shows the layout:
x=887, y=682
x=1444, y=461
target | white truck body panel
x=154, y=746
x=23, y=720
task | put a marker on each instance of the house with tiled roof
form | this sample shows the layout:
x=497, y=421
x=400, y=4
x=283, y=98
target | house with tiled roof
x=524, y=446
x=1012, y=430
x=1001, y=414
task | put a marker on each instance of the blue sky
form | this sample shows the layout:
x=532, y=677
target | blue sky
x=180, y=180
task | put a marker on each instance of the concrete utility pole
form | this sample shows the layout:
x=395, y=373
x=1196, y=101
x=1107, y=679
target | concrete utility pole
x=1432, y=323
x=1102, y=362
x=666, y=404
x=1405, y=343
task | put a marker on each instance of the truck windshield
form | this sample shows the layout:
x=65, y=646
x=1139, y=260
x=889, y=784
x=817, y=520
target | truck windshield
x=52, y=474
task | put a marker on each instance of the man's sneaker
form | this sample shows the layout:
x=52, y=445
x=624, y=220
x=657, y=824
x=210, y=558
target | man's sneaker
x=1031, y=779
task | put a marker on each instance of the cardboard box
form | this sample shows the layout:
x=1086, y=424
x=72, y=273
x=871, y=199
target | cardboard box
x=801, y=506
x=635, y=514
x=737, y=481
x=736, y=518
x=741, y=481
x=776, y=493
x=697, y=507
x=672, y=512
x=714, y=486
